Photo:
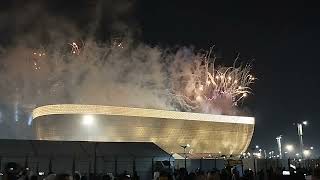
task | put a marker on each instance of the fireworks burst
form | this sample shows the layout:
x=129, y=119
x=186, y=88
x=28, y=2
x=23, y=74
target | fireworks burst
x=36, y=58
x=74, y=48
x=204, y=87
x=118, y=43
x=118, y=71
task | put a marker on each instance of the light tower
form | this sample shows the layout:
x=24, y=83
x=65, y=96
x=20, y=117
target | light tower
x=300, y=134
x=279, y=146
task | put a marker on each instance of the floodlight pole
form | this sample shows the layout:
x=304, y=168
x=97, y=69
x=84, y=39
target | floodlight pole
x=279, y=145
x=300, y=134
x=185, y=155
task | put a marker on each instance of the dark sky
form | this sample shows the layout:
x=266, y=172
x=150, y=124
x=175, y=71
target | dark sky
x=283, y=39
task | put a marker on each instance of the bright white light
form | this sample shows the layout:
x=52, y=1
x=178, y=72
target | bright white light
x=293, y=166
x=305, y=122
x=87, y=120
x=188, y=145
x=199, y=98
x=311, y=147
x=259, y=155
x=306, y=153
x=30, y=120
x=286, y=173
x=297, y=154
x=16, y=112
x=289, y=147
x=257, y=147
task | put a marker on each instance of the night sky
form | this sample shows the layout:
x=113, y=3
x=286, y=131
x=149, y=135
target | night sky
x=282, y=39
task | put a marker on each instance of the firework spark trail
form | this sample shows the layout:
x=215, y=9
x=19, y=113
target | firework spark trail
x=74, y=48
x=36, y=58
x=204, y=87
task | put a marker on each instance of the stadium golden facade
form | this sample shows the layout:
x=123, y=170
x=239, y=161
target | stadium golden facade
x=206, y=133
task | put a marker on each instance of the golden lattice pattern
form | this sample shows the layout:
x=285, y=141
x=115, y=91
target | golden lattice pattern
x=168, y=129
x=135, y=112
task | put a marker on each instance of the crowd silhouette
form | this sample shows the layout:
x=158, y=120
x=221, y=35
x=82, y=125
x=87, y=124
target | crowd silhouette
x=15, y=172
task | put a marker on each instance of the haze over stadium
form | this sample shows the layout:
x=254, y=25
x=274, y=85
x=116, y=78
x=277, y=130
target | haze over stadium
x=62, y=64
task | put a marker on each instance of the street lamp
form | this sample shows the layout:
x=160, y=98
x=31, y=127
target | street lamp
x=185, y=154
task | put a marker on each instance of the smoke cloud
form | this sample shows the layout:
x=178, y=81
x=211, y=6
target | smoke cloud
x=40, y=65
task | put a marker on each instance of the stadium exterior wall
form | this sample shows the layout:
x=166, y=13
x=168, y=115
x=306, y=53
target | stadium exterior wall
x=207, y=134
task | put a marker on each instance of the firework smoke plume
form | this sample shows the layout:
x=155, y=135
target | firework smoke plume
x=51, y=61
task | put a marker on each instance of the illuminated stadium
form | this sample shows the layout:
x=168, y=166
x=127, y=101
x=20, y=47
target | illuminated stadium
x=205, y=133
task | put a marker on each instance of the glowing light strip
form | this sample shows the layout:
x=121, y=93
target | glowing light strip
x=136, y=112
